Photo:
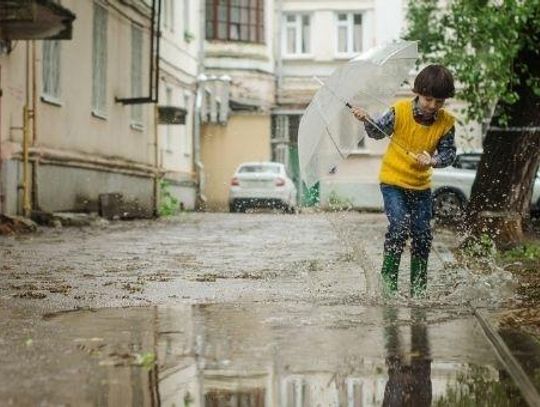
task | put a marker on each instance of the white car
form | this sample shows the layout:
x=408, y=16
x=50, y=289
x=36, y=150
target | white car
x=262, y=184
x=452, y=186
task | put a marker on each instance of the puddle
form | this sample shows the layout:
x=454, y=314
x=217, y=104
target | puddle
x=252, y=355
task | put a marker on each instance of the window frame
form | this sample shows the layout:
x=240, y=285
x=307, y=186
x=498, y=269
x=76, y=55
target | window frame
x=169, y=101
x=349, y=25
x=51, y=71
x=299, y=33
x=136, y=76
x=255, y=12
x=99, y=59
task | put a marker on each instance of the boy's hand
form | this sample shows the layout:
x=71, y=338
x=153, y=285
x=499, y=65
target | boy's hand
x=360, y=113
x=424, y=159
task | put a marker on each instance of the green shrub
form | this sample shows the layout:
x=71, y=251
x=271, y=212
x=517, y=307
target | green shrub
x=168, y=204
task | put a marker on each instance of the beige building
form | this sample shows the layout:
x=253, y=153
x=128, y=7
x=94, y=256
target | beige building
x=93, y=102
x=237, y=91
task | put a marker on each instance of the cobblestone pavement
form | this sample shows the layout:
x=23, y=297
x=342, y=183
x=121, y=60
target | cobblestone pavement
x=206, y=257
x=316, y=270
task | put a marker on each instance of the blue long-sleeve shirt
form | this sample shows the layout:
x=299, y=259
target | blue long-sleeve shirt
x=446, y=149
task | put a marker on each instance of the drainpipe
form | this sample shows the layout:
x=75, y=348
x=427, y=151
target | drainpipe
x=35, y=195
x=201, y=78
x=199, y=167
x=26, y=139
x=277, y=45
x=156, y=161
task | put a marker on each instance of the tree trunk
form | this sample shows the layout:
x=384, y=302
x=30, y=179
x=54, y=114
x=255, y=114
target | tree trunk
x=501, y=193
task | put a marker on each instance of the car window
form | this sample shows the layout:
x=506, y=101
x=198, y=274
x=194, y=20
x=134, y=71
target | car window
x=467, y=162
x=274, y=169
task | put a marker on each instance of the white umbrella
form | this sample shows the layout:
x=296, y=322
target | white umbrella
x=328, y=131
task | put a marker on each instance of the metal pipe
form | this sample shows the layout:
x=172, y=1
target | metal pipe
x=157, y=178
x=152, y=31
x=153, y=79
x=26, y=138
x=35, y=164
x=158, y=41
x=199, y=167
x=156, y=162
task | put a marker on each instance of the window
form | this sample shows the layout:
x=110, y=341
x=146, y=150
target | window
x=297, y=39
x=185, y=135
x=169, y=129
x=136, y=74
x=51, y=69
x=187, y=12
x=99, y=61
x=168, y=15
x=284, y=130
x=349, y=33
x=235, y=20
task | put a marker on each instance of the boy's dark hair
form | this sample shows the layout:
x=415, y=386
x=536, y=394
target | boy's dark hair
x=435, y=81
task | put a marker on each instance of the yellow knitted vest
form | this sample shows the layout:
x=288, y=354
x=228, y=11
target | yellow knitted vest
x=401, y=169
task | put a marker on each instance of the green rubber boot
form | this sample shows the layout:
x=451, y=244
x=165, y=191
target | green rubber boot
x=418, y=276
x=389, y=272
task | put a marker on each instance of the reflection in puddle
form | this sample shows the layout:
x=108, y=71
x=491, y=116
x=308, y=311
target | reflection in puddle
x=254, y=355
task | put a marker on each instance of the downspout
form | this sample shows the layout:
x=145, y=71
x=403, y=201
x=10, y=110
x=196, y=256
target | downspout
x=157, y=175
x=35, y=195
x=277, y=45
x=156, y=162
x=199, y=167
x=26, y=138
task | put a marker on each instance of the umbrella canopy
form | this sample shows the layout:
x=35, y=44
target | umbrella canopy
x=328, y=131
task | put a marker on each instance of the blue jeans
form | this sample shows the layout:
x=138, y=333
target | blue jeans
x=409, y=213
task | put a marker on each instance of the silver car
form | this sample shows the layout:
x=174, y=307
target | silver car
x=262, y=184
x=452, y=186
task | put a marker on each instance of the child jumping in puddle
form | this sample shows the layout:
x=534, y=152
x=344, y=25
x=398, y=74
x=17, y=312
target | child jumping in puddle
x=422, y=138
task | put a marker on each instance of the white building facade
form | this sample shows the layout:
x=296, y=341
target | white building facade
x=179, y=66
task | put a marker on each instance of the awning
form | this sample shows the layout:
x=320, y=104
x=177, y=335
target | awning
x=35, y=20
x=244, y=105
x=171, y=115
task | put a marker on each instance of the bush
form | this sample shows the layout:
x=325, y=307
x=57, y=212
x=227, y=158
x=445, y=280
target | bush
x=168, y=204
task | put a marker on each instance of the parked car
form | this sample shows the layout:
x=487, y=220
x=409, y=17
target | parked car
x=262, y=184
x=452, y=185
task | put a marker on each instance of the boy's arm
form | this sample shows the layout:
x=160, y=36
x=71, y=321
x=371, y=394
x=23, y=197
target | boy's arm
x=446, y=150
x=384, y=123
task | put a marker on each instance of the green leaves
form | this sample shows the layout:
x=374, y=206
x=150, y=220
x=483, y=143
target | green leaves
x=480, y=41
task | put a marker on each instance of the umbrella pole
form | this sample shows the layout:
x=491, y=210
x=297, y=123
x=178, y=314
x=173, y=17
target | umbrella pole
x=349, y=106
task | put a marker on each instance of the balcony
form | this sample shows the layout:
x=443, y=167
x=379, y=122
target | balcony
x=35, y=20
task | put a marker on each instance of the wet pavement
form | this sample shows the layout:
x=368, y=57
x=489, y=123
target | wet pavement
x=273, y=355
x=240, y=310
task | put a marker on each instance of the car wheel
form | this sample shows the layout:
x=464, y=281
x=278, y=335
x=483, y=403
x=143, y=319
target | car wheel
x=237, y=207
x=291, y=209
x=448, y=205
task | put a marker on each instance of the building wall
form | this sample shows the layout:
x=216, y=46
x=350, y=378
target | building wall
x=251, y=90
x=82, y=154
x=223, y=148
x=178, y=72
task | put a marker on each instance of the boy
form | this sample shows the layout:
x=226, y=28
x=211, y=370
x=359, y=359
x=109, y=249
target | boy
x=423, y=137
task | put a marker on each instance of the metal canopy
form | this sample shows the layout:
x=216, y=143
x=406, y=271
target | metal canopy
x=35, y=20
